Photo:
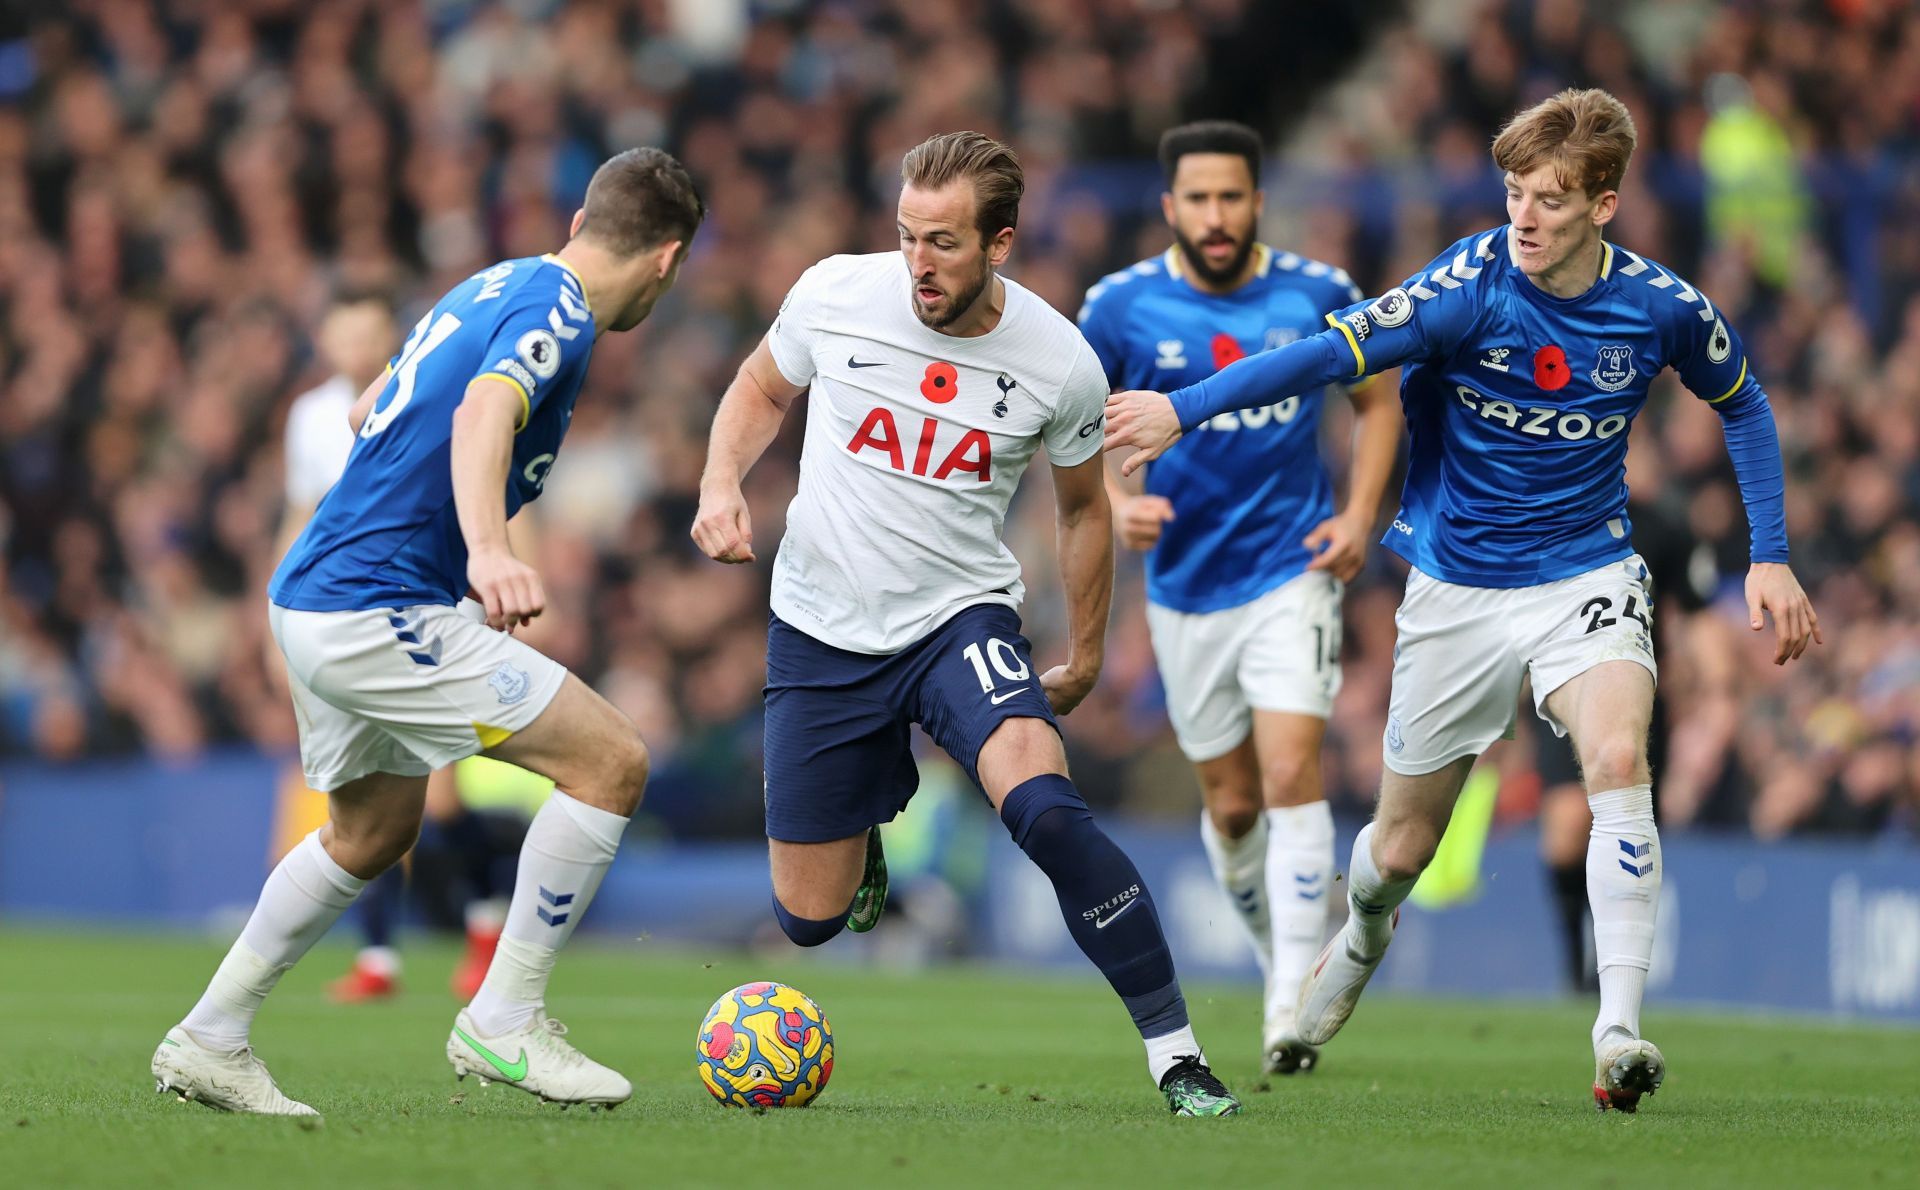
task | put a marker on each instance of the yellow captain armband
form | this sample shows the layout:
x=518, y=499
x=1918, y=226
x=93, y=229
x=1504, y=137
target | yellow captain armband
x=1736, y=384
x=1359, y=357
x=526, y=402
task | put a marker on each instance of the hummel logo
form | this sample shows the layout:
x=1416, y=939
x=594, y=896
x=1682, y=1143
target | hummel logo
x=1638, y=852
x=1497, y=358
x=854, y=363
x=997, y=699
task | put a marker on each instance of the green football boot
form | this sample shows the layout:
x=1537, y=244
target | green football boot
x=872, y=897
x=1191, y=1090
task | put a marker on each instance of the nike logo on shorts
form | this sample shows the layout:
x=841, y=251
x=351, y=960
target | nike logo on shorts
x=854, y=363
x=997, y=699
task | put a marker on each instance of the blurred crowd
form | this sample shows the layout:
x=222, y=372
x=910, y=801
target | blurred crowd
x=185, y=187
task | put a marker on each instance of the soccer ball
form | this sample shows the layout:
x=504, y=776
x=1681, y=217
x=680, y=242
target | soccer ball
x=764, y=1045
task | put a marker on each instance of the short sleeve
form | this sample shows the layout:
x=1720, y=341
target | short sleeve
x=1425, y=318
x=533, y=342
x=795, y=329
x=1073, y=432
x=1709, y=356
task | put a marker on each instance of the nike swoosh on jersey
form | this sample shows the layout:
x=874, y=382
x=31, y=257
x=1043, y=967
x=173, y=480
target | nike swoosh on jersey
x=854, y=363
x=997, y=699
x=1101, y=925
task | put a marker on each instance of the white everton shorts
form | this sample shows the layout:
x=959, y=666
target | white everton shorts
x=405, y=690
x=1281, y=652
x=1463, y=652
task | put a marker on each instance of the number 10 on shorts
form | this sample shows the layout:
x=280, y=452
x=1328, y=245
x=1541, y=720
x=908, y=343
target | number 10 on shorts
x=1005, y=659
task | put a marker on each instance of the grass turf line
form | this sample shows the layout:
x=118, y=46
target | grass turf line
x=960, y=1076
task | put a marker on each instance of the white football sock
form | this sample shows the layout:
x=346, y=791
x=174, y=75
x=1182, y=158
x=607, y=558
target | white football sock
x=1371, y=899
x=1165, y=1051
x=1623, y=888
x=1299, y=872
x=1240, y=866
x=381, y=960
x=565, y=856
x=306, y=892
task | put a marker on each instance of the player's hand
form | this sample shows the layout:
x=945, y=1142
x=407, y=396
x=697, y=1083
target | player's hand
x=1065, y=687
x=1339, y=546
x=1143, y=420
x=1771, y=587
x=508, y=588
x=1141, y=518
x=722, y=528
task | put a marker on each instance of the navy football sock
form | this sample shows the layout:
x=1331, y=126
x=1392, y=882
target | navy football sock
x=805, y=931
x=379, y=906
x=1108, y=909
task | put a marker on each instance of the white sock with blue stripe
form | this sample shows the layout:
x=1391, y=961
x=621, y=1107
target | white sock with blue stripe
x=1240, y=865
x=1299, y=873
x=1623, y=887
x=567, y=852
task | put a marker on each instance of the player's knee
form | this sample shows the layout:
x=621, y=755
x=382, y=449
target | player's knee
x=1233, y=818
x=1613, y=762
x=1286, y=780
x=367, y=849
x=625, y=765
x=808, y=931
x=1402, y=850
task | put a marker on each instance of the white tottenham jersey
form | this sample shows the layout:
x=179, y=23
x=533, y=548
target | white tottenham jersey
x=318, y=440
x=915, y=442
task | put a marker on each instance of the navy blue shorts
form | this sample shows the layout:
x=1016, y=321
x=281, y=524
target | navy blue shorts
x=839, y=754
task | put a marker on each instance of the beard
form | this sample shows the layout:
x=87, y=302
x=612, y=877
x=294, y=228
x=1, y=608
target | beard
x=1190, y=252
x=956, y=304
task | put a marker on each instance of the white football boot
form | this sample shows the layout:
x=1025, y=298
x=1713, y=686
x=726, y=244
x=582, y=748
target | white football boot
x=236, y=1081
x=1333, y=986
x=1624, y=1069
x=537, y=1059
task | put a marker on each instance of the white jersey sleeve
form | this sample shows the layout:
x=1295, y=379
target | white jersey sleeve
x=1073, y=432
x=795, y=328
x=318, y=440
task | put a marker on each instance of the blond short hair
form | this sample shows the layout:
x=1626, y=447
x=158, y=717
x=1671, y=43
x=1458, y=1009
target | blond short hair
x=990, y=165
x=1587, y=136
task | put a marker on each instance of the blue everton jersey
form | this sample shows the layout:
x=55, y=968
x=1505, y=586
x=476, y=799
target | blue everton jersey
x=1518, y=404
x=1248, y=485
x=387, y=535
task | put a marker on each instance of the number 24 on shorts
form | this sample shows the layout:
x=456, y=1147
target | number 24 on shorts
x=1598, y=607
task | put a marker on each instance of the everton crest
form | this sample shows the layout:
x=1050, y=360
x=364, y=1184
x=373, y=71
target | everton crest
x=1614, y=369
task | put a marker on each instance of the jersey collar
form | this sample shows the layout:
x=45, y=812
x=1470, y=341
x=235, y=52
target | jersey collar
x=552, y=258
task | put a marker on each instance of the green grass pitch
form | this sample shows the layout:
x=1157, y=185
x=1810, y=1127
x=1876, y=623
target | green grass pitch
x=962, y=1076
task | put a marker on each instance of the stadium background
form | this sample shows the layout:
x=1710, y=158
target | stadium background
x=183, y=187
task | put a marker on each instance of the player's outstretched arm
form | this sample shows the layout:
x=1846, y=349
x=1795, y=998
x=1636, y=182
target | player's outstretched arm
x=1150, y=422
x=482, y=451
x=749, y=416
x=1084, y=537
